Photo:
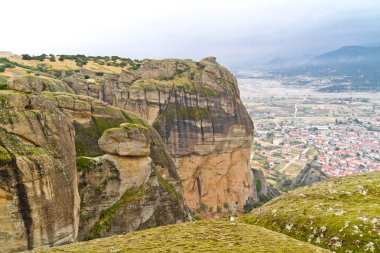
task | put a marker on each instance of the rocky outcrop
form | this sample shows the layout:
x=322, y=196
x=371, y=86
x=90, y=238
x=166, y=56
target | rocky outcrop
x=262, y=187
x=127, y=178
x=196, y=108
x=39, y=199
x=310, y=174
x=76, y=165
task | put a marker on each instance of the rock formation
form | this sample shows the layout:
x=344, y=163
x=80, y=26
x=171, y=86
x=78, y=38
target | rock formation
x=310, y=174
x=39, y=199
x=126, y=177
x=196, y=108
x=262, y=187
x=76, y=164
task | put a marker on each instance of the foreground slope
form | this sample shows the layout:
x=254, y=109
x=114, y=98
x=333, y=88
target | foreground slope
x=199, y=236
x=342, y=214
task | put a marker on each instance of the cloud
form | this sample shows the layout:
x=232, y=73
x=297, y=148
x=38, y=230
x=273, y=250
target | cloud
x=238, y=32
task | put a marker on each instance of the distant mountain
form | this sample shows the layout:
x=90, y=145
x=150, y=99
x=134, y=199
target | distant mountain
x=277, y=61
x=350, y=67
x=349, y=55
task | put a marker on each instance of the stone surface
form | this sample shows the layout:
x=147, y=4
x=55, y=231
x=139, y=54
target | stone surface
x=127, y=178
x=39, y=199
x=310, y=174
x=196, y=108
x=129, y=140
x=191, y=144
x=269, y=191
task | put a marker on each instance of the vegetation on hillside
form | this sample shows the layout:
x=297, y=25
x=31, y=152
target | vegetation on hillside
x=342, y=214
x=82, y=60
x=198, y=236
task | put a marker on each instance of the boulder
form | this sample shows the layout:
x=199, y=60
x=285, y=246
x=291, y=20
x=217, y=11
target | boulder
x=128, y=140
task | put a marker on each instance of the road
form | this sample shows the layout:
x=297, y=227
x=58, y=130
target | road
x=293, y=160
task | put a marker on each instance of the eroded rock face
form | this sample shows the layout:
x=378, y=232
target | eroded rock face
x=127, y=178
x=39, y=199
x=268, y=191
x=196, y=108
x=310, y=174
x=128, y=140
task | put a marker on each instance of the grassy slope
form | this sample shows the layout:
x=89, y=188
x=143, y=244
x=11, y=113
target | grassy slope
x=341, y=214
x=199, y=236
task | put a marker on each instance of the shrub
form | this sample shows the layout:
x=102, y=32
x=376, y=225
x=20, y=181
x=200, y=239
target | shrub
x=248, y=207
x=259, y=185
x=52, y=58
x=26, y=57
x=3, y=86
x=218, y=209
x=203, y=207
x=263, y=198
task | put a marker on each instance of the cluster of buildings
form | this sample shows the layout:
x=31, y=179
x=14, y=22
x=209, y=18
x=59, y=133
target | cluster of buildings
x=342, y=149
x=347, y=149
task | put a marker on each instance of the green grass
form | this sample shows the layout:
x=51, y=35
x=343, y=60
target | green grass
x=198, y=236
x=133, y=125
x=85, y=164
x=340, y=214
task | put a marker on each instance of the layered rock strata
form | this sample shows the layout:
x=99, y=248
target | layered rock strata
x=196, y=108
x=126, y=178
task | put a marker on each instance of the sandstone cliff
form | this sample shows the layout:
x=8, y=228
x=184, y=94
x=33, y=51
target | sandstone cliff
x=39, y=199
x=76, y=164
x=196, y=108
x=126, y=177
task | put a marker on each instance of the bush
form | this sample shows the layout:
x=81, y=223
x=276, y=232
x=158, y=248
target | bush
x=218, y=209
x=41, y=57
x=52, y=58
x=26, y=57
x=248, y=207
x=259, y=185
x=3, y=86
x=263, y=198
x=203, y=207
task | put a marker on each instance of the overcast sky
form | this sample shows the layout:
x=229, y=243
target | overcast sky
x=238, y=32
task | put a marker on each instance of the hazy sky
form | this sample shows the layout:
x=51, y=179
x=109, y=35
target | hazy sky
x=238, y=32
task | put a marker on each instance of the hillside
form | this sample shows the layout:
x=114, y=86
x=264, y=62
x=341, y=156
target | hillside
x=342, y=214
x=199, y=236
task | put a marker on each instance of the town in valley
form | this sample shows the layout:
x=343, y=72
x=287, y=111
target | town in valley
x=297, y=124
